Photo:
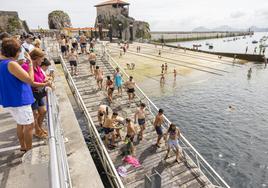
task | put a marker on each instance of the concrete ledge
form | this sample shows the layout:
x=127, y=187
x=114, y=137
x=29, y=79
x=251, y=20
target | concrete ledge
x=82, y=168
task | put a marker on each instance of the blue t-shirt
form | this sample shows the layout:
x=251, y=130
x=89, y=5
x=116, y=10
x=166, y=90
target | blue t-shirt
x=13, y=92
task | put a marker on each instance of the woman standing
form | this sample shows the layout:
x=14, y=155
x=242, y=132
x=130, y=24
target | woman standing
x=15, y=92
x=38, y=88
x=118, y=80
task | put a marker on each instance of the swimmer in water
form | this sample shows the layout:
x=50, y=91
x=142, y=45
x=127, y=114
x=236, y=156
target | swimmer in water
x=231, y=108
x=249, y=72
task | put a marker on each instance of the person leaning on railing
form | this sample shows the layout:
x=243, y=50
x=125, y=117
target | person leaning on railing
x=15, y=90
x=39, y=92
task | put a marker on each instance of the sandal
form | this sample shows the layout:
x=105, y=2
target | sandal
x=23, y=150
x=44, y=131
x=40, y=135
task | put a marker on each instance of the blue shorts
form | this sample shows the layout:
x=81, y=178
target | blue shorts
x=141, y=121
x=159, y=130
x=108, y=130
x=38, y=103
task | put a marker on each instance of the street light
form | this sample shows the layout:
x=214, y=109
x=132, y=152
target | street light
x=110, y=32
x=120, y=31
x=99, y=24
x=131, y=32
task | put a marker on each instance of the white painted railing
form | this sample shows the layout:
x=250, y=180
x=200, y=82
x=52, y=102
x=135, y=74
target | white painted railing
x=59, y=175
x=106, y=161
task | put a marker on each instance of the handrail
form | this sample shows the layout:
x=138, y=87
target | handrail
x=198, y=156
x=58, y=165
x=106, y=160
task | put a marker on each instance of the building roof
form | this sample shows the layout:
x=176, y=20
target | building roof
x=112, y=2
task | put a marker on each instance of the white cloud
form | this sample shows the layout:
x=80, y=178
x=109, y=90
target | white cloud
x=162, y=15
x=238, y=14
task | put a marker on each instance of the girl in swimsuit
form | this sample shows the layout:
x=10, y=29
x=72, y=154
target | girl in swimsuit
x=110, y=88
x=173, y=134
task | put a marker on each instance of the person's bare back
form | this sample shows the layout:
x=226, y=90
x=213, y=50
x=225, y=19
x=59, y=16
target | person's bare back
x=92, y=57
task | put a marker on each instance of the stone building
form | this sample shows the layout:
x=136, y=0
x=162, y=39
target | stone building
x=114, y=15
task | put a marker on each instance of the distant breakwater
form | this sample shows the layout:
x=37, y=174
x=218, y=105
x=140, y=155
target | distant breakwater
x=166, y=37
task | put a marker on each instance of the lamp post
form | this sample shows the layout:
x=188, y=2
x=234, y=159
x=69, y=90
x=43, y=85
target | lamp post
x=95, y=34
x=120, y=31
x=91, y=34
x=131, y=32
x=110, y=32
x=99, y=24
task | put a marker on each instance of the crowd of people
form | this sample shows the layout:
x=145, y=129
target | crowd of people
x=23, y=79
x=110, y=121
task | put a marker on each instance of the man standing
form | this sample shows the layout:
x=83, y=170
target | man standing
x=92, y=61
x=83, y=43
x=140, y=114
x=130, y=85
x=159, y=120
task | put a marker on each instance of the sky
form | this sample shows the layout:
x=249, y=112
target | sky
x=162, y=15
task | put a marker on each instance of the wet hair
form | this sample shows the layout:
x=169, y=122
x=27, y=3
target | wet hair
x=97, y=67
x=46, y=62
x=36, y=53
x=10, y=47
x=108, y=77
x=131, y=78
x=161, y=111
x=143, y=105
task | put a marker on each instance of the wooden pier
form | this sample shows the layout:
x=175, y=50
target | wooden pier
x=173, y=174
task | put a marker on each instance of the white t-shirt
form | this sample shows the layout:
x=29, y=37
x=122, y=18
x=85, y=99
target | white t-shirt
x=25, y=46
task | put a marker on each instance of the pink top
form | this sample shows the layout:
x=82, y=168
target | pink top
x=39, y=76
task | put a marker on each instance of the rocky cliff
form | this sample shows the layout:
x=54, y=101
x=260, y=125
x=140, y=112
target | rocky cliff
x=58, y=20
x=115, y=16
x=11, y=23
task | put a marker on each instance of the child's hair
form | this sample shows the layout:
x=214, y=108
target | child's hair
x=128, y=120
x=170, y=127
x=108, y=77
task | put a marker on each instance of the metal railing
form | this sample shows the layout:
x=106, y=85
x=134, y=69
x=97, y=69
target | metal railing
x=188, y=150
x=106, y=161
x=58, y=165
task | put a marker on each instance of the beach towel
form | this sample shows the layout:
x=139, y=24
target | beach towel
x=132, y=160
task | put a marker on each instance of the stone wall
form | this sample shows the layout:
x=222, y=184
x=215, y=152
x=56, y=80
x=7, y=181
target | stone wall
x=109, y=14
x=11, y=23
